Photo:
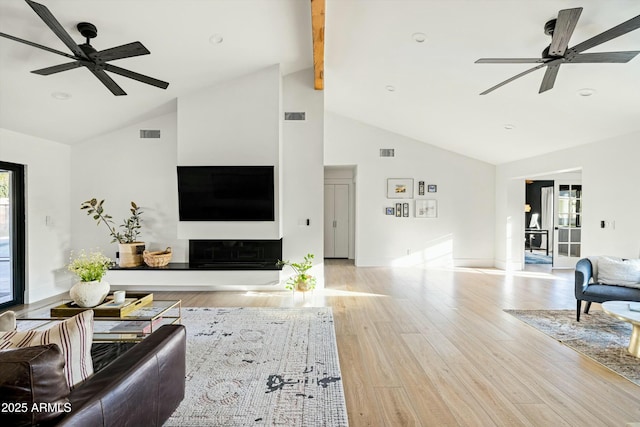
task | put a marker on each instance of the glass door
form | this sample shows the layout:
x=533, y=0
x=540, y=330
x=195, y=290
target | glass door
x=567, y=232
x=12, y=235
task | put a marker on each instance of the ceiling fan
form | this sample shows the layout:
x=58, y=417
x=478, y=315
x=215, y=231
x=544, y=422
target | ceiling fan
x=557, y=53
x=85, y=55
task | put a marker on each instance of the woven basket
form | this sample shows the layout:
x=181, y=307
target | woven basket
x=157, y=258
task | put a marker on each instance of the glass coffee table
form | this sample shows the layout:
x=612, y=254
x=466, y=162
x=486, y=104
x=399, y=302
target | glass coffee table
x=620, y=310
x=134, y=326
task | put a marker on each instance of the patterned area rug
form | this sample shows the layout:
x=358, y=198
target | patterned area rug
x=262, y=367
x=597, y=335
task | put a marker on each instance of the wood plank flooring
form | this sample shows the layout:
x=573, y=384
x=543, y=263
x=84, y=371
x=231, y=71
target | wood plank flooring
x=433, y=347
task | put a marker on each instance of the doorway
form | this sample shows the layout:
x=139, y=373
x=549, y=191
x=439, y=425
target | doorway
x=539, y=220
x=12, y=234
x=339, y=212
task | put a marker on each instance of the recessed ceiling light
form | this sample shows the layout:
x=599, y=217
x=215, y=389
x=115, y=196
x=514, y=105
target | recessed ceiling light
x=61, y=96
x=216, y=39
x=586, y=92
x=509, y=126
x=390, y=88
x=419, y=37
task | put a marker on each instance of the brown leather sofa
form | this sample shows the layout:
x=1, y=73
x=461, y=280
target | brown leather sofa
x=141, y=387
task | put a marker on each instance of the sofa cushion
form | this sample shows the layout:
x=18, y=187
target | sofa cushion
x=7, y=321
x=74, y=337
x=612, y=271
x=32, y=376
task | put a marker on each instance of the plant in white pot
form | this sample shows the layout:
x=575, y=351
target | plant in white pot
x=90, y=268
x=129, y=247
x=301, y=280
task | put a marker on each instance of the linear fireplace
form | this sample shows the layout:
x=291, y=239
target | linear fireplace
x=235, y=254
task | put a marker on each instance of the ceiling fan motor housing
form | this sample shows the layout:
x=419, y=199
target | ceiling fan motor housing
x=88, y=30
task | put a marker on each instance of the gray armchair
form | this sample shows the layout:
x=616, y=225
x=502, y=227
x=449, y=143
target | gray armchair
x=589, y=291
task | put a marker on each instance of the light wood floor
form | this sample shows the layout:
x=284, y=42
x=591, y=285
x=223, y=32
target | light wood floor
x=433, y=347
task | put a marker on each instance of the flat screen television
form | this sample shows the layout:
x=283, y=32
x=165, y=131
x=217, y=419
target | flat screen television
x=226, y=193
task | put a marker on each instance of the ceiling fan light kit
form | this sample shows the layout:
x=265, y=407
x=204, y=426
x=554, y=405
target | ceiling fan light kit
x=558, y=52
x=85, y=55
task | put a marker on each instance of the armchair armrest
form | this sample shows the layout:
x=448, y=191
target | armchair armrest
x=584, y=272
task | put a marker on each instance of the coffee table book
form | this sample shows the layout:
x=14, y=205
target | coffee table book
x=133, y=301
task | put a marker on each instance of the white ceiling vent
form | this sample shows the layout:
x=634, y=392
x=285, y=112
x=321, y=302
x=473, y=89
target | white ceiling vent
x=149, y=133
x=295, y=115
x=387, y=152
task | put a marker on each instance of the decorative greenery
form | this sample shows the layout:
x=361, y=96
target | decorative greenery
x=90, y=267
x=131, y=226
x=300, y=269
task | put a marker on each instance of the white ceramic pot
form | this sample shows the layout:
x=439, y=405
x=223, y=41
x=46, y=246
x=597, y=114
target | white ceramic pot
x=89, y=294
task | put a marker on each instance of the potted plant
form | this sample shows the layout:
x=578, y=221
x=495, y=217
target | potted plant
x=129, y=247
x=301, y=280
x=90, y=268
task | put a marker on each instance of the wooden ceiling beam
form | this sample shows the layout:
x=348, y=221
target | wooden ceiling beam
x=317, y=28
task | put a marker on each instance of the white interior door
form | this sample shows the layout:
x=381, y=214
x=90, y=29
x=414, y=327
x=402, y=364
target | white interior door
x=336, y=221
x=329, y=237
x=567, y=241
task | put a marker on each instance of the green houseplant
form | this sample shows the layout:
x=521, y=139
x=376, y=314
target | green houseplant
x=301, y=280
x=90, y=268
x=129, y=247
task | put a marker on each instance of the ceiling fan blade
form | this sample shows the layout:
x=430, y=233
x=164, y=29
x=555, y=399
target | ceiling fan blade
x=565, y=24
x=612, y=33
x=56, y=27
x=58, y=68
x=517, y=76
x=136, y=76
x=510, y=60
x=549, y=78
x=39, y=46
x=124, y=51
x=108, y=82
x=604, y=57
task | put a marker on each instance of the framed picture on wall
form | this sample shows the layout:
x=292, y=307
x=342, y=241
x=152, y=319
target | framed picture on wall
x=398, y=209
x=389, y=211
x=420, y=188
x=400, y=188
x=421, y=208
x=405, y=209
x=432, y=208
x=432, y=188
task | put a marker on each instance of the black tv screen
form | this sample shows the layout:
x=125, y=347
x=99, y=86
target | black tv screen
x=226, y=193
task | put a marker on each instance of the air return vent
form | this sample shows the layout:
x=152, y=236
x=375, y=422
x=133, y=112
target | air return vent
x=387, y=152
x=149, y=133
x=295, y=115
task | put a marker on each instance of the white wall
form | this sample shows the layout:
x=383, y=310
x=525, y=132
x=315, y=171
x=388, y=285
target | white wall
x=610, y=179
x=234, y=123
x=121, y=167
x=303, y=171
x=463, y=232
x=47, y=192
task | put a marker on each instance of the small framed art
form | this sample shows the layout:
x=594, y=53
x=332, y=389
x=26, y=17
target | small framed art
x=389, y=211
x=400, y=188
x=427, y=208
x=420, y=188
x=432, y=188
x=405, y=209
x=398, y=209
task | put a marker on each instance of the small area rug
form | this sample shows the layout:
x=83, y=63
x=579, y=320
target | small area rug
x=597, y=335
x=261, y=366
x=535, y=258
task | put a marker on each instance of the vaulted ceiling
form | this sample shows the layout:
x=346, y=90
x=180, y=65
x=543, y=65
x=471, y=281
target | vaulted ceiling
x=375, y=70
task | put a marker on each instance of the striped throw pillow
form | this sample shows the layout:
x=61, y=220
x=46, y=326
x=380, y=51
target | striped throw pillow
x=74, y=336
